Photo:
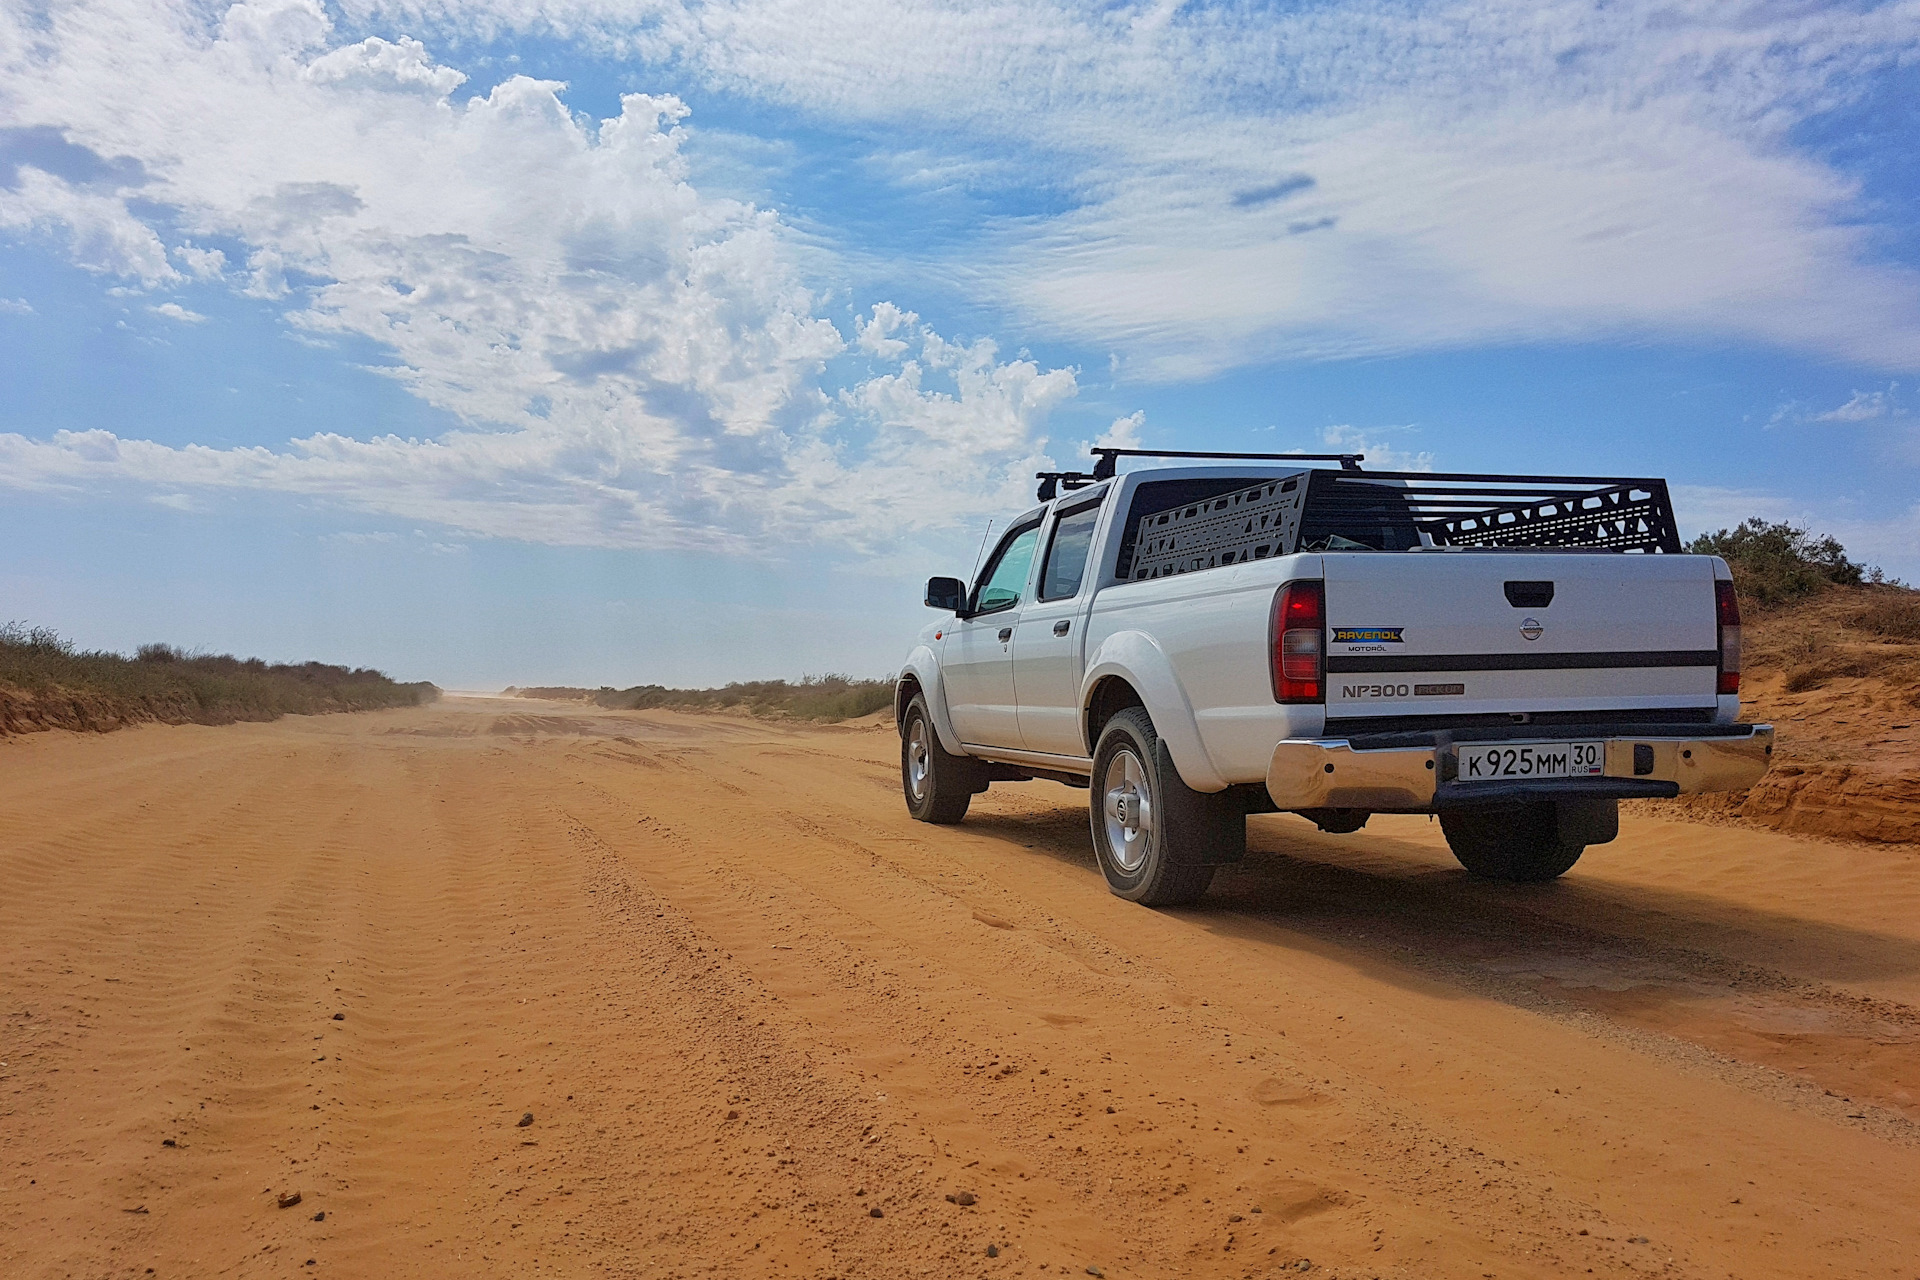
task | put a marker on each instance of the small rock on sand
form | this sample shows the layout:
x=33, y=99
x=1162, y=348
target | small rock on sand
x=525, y=1120
x=993, y=1251
x=875, y=1212
x=339, y=1017
x=288, y=1199
x=320, y=1216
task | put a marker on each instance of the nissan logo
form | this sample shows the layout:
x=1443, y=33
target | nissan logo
x=1530, y=628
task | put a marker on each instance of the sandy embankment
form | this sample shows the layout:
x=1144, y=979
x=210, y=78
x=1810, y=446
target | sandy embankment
x=736, y=987
x=1845, y=703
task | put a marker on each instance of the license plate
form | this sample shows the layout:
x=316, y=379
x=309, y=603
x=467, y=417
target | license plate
x=1499, y=763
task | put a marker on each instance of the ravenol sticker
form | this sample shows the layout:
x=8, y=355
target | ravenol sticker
x=1369, y=635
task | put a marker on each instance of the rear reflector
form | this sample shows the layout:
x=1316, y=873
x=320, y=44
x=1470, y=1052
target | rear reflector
x=1727, y=613
x=1299, y=642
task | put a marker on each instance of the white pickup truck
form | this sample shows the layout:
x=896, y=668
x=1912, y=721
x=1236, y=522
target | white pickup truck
x=1515, y=654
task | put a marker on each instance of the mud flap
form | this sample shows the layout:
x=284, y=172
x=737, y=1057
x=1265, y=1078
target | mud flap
x=1201, y=829
x=1587, y=821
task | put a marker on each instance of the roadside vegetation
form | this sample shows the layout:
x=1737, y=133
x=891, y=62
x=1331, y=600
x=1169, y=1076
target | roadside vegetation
x=47, y=683
x=1777, y=564
x=1814, y=614
x=822, y=699
x=1832, y=660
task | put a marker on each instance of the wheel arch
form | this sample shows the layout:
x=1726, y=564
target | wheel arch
x=921, y=674
x=1106, y=698
x=1131, y=670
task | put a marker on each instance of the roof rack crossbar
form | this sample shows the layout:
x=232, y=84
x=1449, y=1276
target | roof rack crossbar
x=1108, y=458
x=1051, y=482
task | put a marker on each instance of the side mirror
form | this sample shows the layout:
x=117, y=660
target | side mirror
x=945, y=593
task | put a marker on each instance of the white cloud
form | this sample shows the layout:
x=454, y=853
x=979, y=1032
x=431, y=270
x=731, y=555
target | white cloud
x=174, y=311
x=1124, y=433
x=15, y=307
x=1374, y=443
x=1866, y=406
x=1351, y=178
x=100, y=234
x=634, y=363
x=637, y=362
x=376, y=64
x=206, y=264
x=875, y=334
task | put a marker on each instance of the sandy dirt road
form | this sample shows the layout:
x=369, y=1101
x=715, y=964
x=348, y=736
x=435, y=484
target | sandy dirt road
x=765, y=1025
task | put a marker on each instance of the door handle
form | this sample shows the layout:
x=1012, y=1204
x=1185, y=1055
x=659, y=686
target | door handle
x=1061, y=627
x=1006, y=634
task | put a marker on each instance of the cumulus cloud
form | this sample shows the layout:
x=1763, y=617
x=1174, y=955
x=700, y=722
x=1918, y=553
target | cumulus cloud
x=378, y=64
x=633, y=363
x=98, y=231
x=205, y=264
x=174, y=311
x=15, y=307
x=875, y=333
x=1365, y=177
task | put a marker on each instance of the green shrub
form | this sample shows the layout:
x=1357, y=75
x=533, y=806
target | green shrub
x=1776, y=563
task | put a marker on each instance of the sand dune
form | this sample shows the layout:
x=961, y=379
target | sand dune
x=747, y=1003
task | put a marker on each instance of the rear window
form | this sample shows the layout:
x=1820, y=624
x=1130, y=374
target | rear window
x=1352, y=515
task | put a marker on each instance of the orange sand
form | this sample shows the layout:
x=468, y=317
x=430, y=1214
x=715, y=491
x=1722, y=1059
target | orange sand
x=735, y=986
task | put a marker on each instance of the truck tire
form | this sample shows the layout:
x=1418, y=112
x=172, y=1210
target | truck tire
x=1156, y=839
x=1516, y=843
x=938, y=786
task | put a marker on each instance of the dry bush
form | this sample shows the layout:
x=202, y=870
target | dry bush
x=1893, y=615
x=1805, y=679
x=819, y=698
x=164, y=683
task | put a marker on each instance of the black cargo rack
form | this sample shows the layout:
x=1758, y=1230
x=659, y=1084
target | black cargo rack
x=1462, y=509
x=1404, y=508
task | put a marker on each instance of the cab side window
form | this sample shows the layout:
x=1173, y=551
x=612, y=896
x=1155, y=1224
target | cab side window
x=1066, y=562
x=1006, y=577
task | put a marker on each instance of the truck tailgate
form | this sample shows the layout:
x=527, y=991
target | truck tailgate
x=1446, y=632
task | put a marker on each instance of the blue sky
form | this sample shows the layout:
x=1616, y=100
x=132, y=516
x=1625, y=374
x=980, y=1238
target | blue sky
x=533, y=341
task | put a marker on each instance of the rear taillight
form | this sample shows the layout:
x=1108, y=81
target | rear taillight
x=1727, y=612
x=1299, y=641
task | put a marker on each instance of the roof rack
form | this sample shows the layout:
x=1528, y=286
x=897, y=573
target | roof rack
x=1052, y=481
x=1103, y=469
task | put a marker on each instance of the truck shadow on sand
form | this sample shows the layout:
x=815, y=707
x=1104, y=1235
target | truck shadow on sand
x=1786, y=992
x=1343, y=886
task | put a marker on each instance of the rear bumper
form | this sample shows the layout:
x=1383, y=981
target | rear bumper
x=1331, y=773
